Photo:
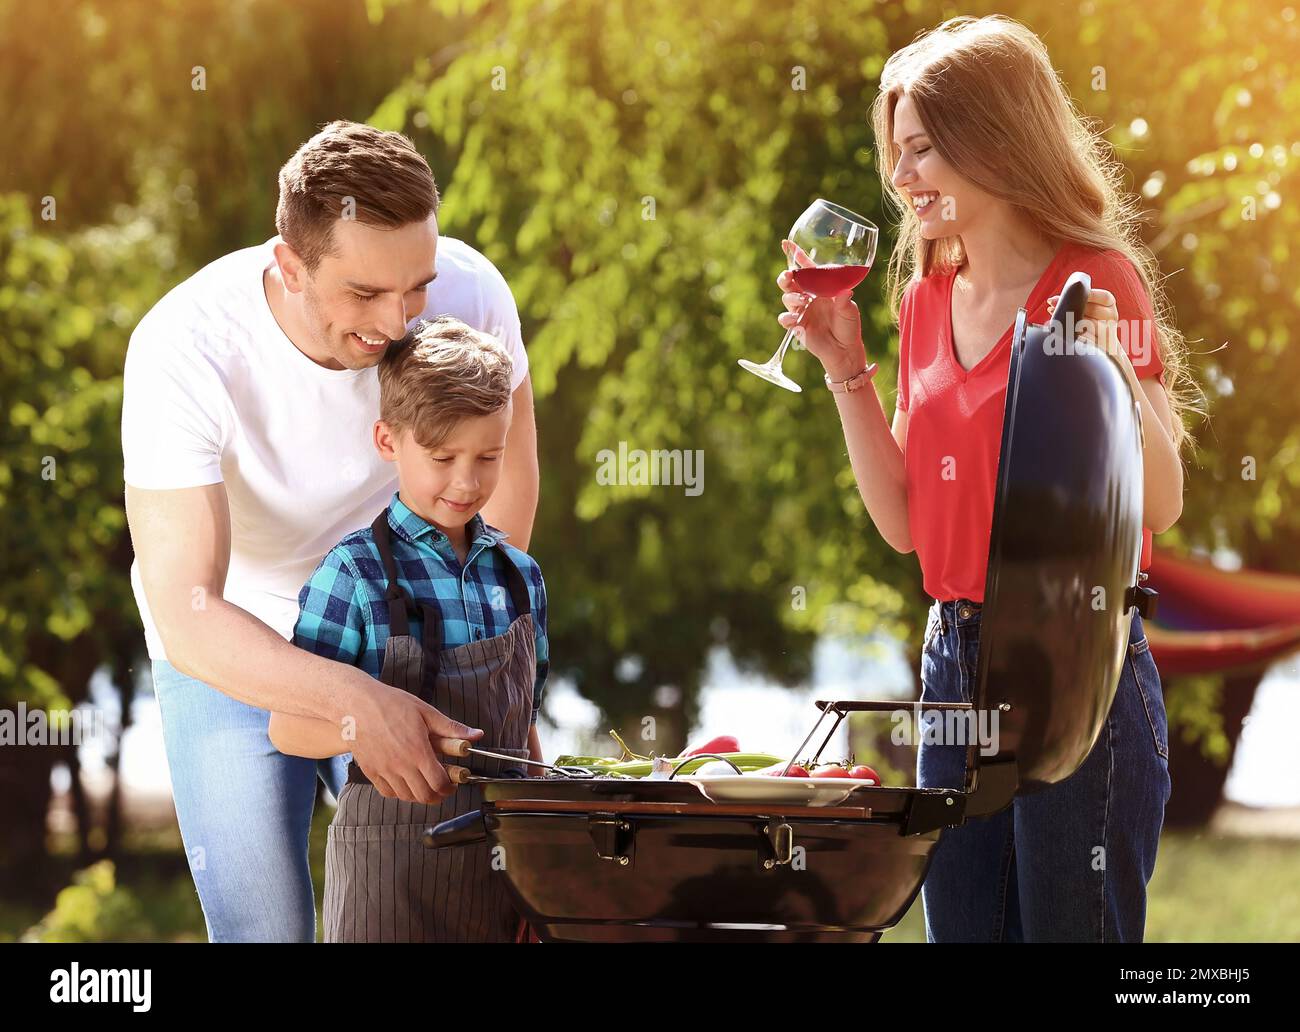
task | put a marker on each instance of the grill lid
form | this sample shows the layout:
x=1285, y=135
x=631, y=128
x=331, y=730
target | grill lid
x=1064, y=552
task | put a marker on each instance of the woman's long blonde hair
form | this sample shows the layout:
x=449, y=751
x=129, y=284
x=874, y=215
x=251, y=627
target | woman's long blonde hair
x=995, y=109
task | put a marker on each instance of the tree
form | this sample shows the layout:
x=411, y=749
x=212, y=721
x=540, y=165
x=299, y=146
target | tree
x=629, y=168
x=67, y=306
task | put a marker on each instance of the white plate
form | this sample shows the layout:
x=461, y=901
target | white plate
x=760, y=788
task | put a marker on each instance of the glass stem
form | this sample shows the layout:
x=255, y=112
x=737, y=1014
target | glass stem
x=779, y=357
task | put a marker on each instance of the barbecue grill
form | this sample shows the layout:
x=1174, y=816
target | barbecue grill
x=604, y=859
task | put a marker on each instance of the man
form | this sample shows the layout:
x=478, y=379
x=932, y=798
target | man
x=250, y=394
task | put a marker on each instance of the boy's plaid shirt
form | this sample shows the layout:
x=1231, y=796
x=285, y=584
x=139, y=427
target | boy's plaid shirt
x=343, y=615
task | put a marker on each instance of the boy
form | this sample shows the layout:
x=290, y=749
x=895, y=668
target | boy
x=430, y=599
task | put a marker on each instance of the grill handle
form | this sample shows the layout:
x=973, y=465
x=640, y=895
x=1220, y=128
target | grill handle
x=1073, y=300
x=465, y=830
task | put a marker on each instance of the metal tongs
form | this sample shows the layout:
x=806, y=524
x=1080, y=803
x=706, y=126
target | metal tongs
x=461, y=748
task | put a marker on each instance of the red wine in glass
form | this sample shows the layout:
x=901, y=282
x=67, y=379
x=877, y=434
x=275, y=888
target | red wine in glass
x=829, y=280
x=834, y=250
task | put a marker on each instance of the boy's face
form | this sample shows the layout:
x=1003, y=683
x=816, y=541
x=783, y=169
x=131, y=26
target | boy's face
x=448, y=484
x=365, y=291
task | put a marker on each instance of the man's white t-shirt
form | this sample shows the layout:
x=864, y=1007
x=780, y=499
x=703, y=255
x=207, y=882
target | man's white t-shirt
x=214, y=392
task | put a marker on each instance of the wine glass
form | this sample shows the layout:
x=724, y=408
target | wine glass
x=841, y=245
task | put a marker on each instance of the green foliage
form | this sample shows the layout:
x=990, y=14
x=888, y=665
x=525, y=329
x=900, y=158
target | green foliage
x=99, y=907
x=67, y=305
x=1208, y=123
x=127, y=178
x=631, y=169
x=92, y=909
x=632, y=180
x=1195, y=710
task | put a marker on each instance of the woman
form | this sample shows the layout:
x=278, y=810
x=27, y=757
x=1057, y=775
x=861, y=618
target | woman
x=1004, y=191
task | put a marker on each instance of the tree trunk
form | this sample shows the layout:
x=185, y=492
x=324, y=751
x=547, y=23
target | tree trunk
x=25, y=872
x=123, y=671
x=25, y=867
x=1197, y=779
x=80, y=804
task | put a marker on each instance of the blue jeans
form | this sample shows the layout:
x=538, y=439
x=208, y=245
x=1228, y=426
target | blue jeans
x=244, y=811
x=1069, y=863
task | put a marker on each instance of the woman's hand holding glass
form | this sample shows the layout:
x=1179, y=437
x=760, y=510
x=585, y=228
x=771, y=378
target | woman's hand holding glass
x=830, y=328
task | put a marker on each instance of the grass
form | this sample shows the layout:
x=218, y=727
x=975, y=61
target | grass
x=1207, y=888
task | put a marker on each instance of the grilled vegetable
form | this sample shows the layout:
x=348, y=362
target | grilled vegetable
x=714, y=768
x=627, y=753
x=721, y=744
x=747, y=762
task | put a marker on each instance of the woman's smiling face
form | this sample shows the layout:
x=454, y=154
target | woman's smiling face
x=944, y=202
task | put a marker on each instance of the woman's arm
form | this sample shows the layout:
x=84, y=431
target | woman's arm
x=876, y=454
x=1162, y=470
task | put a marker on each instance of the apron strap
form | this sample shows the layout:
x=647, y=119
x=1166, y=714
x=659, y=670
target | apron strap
x=398, y=615
x=518, y=588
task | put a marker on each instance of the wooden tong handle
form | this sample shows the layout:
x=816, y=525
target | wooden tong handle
x=452, y=746
x=458, y=775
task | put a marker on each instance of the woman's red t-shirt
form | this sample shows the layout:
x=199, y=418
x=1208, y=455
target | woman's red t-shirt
x=954, y=416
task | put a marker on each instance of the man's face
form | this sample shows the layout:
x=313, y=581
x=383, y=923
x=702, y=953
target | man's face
x=448, y=484
x=367, y=289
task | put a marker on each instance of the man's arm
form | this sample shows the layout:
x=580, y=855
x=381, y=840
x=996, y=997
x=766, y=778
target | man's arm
x=331, y=623
x=513, y=506
x=182, y=541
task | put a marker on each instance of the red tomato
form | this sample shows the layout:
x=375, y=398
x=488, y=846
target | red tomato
x=830, y=772
x=864, y=773
x=721, y=744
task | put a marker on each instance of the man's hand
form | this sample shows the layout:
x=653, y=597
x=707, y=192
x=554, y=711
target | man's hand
x=393, y=743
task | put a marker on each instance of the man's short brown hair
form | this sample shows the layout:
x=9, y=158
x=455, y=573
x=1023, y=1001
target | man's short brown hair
x=353, y=171
x=439, y=374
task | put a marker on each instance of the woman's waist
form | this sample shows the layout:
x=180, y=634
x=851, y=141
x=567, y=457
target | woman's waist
x=959, y=610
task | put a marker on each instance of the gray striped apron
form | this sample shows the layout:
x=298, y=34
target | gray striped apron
x=381, y=883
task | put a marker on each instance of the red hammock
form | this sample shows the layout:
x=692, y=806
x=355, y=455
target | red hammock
x=1212, y=621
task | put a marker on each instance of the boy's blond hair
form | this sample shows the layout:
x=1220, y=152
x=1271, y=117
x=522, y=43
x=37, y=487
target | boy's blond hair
x=439, y=374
